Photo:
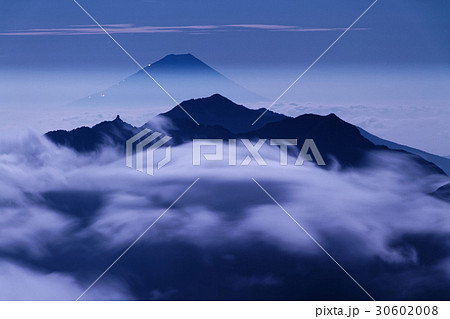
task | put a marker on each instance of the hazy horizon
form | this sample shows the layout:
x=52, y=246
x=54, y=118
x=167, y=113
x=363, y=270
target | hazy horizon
x=407, y=106
x=389, y=74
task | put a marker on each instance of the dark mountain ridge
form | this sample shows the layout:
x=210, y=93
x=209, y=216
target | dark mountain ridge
x=218, y=110
x=89, y=139
x=442, y=193
x=221, y=118
x=441, y=161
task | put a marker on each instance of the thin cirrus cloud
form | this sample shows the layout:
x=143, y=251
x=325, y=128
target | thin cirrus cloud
x=192, y=29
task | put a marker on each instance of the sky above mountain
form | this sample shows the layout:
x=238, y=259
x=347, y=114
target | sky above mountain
x=389, y=74
x=223, y=32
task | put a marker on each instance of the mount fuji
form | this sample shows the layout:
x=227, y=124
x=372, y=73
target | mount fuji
x=183, y=76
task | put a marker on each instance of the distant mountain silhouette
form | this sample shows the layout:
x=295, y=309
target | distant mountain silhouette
x=115, y=133
x=335, y=138
x=218, y=118
x=442, y=193
x=217, y=110
x=86, y=139
x=442, y=162
x=182, y=75
x=221, y=118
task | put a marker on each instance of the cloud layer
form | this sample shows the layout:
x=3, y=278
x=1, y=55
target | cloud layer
x=190, y=29
x=65, y=218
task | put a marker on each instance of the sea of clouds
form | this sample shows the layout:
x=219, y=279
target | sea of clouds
x=65, y=217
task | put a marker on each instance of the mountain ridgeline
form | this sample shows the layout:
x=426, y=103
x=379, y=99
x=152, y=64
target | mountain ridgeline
x=220, y=118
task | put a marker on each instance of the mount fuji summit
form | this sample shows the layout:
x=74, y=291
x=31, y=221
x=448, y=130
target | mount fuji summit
x=183, y=76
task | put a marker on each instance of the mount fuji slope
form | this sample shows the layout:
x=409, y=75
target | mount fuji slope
x=183, y=76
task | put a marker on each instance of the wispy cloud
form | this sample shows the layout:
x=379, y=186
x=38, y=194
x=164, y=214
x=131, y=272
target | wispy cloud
x=192, y=29
x=64, y=215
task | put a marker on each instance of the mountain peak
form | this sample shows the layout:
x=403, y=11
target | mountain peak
x=219, y=110
x=186, y=55
x=117, y=121
x=183, y=75
x=215, y=98
x=178, y=60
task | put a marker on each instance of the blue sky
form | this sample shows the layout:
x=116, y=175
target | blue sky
x=394, y=32
x=395, y=62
